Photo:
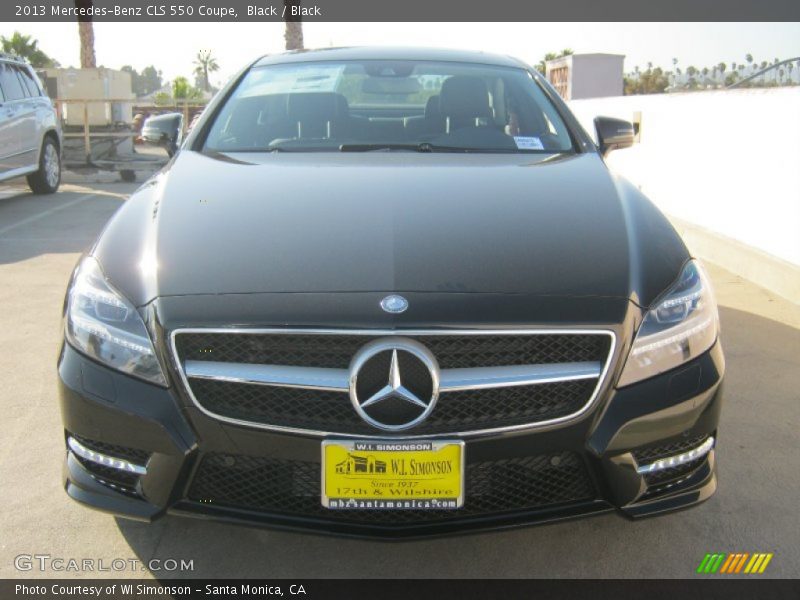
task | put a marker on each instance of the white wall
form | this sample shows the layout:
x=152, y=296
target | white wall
x=596, y=75
x=726, y=161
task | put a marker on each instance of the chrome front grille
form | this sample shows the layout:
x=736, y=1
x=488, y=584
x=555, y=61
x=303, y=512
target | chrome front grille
x=298, y=380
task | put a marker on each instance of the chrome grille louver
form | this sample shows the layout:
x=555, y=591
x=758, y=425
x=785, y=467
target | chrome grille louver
x=535, y=377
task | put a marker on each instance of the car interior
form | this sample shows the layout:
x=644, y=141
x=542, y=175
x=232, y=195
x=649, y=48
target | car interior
x=467, y=111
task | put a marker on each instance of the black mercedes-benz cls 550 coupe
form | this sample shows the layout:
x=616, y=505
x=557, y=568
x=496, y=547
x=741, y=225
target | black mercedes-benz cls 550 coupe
x=390, y=292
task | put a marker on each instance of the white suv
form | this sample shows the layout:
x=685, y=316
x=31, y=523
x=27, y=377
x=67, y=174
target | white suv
x=30, y=135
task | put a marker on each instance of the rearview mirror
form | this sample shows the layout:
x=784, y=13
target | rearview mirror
x=386, y=85
x=613, y=134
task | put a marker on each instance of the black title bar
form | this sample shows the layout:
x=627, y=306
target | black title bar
x=401, y=11
x=393, y=589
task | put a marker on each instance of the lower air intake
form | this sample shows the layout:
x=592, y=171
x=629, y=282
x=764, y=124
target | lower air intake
x=292, y=488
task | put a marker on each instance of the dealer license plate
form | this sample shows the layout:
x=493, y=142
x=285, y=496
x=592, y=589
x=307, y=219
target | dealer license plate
x=392, y=475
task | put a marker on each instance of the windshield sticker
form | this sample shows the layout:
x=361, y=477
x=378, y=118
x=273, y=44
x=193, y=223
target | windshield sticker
x=528, y=143
x=306, y=78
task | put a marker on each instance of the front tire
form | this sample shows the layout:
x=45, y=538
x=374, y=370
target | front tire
x=47, y=179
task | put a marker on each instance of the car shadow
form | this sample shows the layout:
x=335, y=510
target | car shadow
x=757, y=448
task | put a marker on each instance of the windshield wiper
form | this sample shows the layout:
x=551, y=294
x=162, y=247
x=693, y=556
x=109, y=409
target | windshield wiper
x=420, y=147
x=423, y=147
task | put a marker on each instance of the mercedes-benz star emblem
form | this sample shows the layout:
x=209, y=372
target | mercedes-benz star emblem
x=394, y=383
x=394, y=304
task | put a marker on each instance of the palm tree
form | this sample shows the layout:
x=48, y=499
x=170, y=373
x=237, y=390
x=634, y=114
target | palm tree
x=86, y=33
x=203, y=65
x=749, y=58
x=294, y=26
x=25, y=47
x=542, y=66
x=183, y=90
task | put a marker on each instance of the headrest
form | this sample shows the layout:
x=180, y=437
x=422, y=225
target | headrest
x=466, y=97
x=432, y=109
x=320, y=106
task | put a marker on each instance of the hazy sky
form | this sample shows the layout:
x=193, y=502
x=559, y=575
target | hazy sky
x=172, y=47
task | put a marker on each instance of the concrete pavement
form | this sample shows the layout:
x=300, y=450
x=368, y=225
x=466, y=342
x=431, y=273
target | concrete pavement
x=754, y=510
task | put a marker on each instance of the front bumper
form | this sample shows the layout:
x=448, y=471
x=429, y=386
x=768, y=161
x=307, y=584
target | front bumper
x=121, y=417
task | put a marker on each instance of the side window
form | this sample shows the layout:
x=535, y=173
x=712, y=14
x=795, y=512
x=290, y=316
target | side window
x=12, y=86
x=28, y=82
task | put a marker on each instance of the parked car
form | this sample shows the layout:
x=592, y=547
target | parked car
x=164, y=131
x=390, y=292
x=30, y=133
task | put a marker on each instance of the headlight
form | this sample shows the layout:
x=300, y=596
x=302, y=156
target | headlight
x=683, y=325
x=104, y=325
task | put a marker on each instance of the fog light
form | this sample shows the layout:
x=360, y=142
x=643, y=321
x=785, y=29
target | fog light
x=103, y=459
x=678, y=459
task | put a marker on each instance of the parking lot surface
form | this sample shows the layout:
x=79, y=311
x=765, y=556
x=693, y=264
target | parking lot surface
x=754, y=510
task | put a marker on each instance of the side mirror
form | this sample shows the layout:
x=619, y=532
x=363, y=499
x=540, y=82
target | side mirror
x=164, y=131
x=613, y=134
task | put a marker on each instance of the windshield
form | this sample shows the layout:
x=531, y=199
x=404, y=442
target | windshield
x=388, y=105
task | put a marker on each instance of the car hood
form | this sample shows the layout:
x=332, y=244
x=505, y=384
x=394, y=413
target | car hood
x=547, y=225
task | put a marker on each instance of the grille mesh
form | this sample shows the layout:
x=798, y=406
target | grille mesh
x=117, y=479
x=138, y=457
x=292, y=488
x=672, y=474
x=665, y=478
x=335, y=351
x=332, y=411
x=664, y=450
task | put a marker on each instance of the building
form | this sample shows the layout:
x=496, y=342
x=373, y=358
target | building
x=579, y=76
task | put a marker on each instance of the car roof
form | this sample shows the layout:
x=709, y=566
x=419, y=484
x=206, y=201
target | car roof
x=390, y=53
x=5, y=56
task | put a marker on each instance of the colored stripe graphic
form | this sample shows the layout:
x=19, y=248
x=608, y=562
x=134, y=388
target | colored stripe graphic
x=703, y=563
x=764, y=564
x=726, y=567
x=711, y=563
x=741, y=562
x=757, y=566
x=718, y=562
x=733, y=563
x=752, y=563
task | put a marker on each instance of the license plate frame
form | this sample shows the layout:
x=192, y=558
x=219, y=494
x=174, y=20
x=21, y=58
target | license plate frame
x=412, y=494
